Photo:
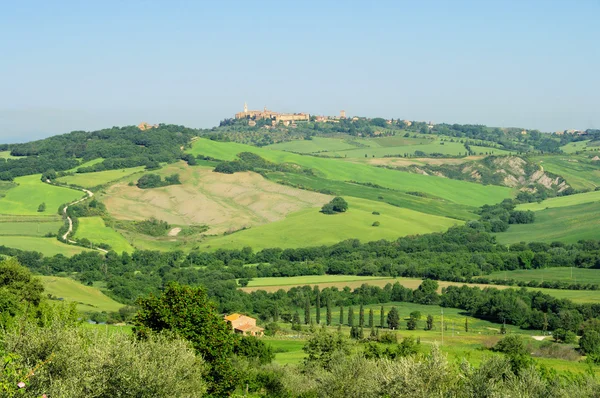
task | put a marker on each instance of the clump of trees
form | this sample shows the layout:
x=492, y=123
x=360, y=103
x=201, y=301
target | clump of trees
x=337, y=205
x=155, y=181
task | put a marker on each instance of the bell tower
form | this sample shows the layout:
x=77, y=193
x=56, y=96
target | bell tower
x=245, y=107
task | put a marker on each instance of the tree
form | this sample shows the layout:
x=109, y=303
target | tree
x=351, y=317
x=429, y=324
x=393, y=318
x=361, y=316
x=371, y=318
x=188, y=312
x=590, y=342
x=341, y=314
x=42, y=207
x=322, y=346
x=328, y=312
x=466, y=324
x=381, y=318
x=337, y=205
x=515, y=349
x=253, y=348
x=318, y=305
x=307, y=311
x=427, y=293
x=411, y=324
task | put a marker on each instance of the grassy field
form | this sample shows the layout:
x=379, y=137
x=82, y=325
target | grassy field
x=30, y=228
x=25, y=198
x=559, y=274
x=460, y=192
x=6, y=155
x=567, y=224
x=88, y=299
x=435, y=206
x=446, y=148
x=323, y=281
x=86, y=164
x=578, y=170
x=563, y=201
x=89, y=180
x=312, y=228
x=317, y=144
x=46, y=246
x=94, y=229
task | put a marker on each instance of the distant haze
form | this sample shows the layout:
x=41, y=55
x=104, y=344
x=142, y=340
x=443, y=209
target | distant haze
x=74, y=65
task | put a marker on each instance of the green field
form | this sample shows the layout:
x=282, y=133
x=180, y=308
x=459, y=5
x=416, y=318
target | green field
x=25, y=198
x=30, y=228
x=46, y=246
x=446, y=148
x=312, y=228
x=88, y=299
x=562, y=201
x=573, y=147
x=7, y=155
x=579, y=171
x=89, y=180
x=558, y=274
x=310, y=279
x=567, y=224
x=435, y=206
x=461, y=192
x=316, y=144
x=86, y=164
x=94, y=229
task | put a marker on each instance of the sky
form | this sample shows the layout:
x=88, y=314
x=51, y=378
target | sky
x=86, y=65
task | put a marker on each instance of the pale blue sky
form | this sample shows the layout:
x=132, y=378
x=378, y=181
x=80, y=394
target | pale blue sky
x=69, y=65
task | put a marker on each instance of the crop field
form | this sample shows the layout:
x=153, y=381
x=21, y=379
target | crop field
x=94, y=229
x=460, y=192
x=30, y=228
x=566, y=224
x=562, y=201
x=46, y=246
x=89, y=180
x=224, y=202
x=558, y=274
x=88, y=299
x=323, y=281
x=579, y=171
x=312, y=228
x=435, y=206
x=30, y=192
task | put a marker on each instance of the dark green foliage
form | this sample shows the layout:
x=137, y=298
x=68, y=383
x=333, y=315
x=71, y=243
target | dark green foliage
x=590, y=342
x=155, y=181
x=341, y=315
x=381, y=318
x=466, y=324
x=318, y=305
x=188, y=312
x=376, y=224
x=306, y=311
x=515, y=349
x=564, y=336
x=42, y=207
x=321, y=347
x=361, y=316
x=429, y=323
x=371, y=318
x=248, y=161
x=150, y=227
x=253, y=348
x=407, y=347
x=20, y=292
x=351, y=316
x=411, y=323
x=393, y=319
x=337, y=205
x=427, y=292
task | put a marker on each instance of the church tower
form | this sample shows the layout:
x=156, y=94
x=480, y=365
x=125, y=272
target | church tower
x=245, y=107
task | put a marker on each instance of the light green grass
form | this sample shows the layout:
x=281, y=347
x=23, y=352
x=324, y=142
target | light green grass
x=396, y=140
x=88, y=299
x=317, y=144
x=573, y=147
x=563, y=201
x=312, y=228
x=25, y=198
x=309, y=279
x=578, y=170
x=89, y=180
x=567, y=224
x=46, y=246
x=461, y=192
x=558, y=274
x=86, y=164
x=448, y=148
x=94, y=229
x=30, y=228
x=7, y=155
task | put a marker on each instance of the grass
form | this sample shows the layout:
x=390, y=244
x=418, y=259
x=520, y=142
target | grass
x=578, y=170
x=312, y=228
x=573, y=147
x=46, y=246
x=25, y=198
x=317, y=144
x=94, y=229
x=558, y=274
x=86, y=164
x=323, y=281
x=460, y=192
x=7, y=155
x=30, y=228
x=88, y=299
x=562, y=201
x=89, y=180
x=435, y=206
x=567, y=224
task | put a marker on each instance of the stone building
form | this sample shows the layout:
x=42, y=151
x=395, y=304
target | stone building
x=244, y=325
x=275, y=116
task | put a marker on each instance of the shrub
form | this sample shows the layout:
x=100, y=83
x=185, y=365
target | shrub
x=375, y=213
x=337, y=205
x=42, y=207
x=376, y=224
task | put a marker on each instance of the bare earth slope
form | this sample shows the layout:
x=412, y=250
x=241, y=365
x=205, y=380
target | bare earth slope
x=224, y=202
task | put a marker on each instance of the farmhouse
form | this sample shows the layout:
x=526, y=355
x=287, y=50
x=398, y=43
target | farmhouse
x=244, y=325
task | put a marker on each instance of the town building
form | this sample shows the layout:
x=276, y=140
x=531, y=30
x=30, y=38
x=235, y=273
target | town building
x=274, y=116
x=244, y=325
x=146, y=126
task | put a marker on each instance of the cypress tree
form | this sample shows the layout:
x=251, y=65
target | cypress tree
x=371, y=318
x=381, y=318
x=307, y=311
x=466, y=324
x=341, y=314
x=361, y=316
x=275, y=313
x=328, y=312
x=318, y=304
x=351, y=317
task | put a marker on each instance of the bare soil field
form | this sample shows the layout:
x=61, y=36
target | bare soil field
x=224, y=202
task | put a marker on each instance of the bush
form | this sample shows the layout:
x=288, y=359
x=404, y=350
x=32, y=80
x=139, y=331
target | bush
x=154, y=181
x=41, y=208
x=375, y=213
x=376, y=224
x=337, y=205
